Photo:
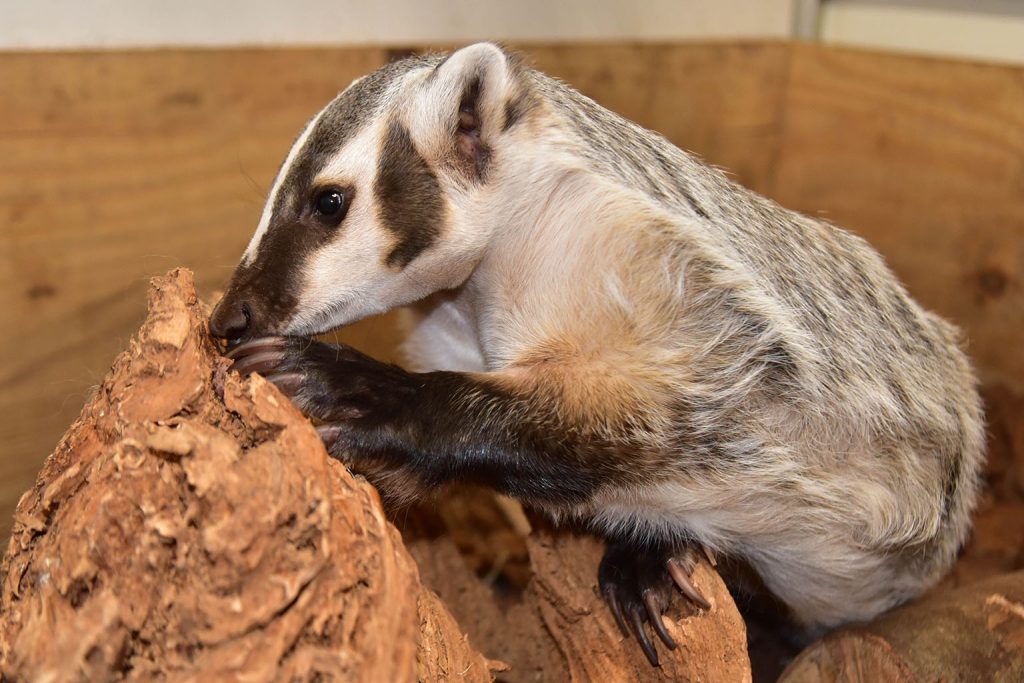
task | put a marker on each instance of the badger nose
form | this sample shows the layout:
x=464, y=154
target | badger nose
x=231, y=319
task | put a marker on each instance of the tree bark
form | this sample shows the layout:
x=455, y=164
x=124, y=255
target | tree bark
x=969, y=634
x=190, y=526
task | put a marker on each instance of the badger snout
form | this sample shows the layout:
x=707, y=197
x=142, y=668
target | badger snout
x=232, y=319
x=260, y=300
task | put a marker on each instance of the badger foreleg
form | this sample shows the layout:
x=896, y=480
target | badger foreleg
x=411, y=433
x=420, y=431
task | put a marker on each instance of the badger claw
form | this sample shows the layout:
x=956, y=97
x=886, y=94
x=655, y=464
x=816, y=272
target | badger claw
x=616, y=609
x=681, y=576
x=654, y=616
x=637, y=621
x=254, y=345
x=638, y=590
x=261, y=362
x=638, y=582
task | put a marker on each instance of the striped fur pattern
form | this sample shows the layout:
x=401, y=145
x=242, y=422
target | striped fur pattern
x=695, y=362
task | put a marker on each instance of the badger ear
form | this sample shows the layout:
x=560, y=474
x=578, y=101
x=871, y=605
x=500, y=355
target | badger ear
x=477, y=84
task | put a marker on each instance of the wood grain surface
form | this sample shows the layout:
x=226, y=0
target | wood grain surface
x=118, y=166
x=925, y=159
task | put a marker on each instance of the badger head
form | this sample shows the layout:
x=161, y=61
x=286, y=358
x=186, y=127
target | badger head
x=378, y=203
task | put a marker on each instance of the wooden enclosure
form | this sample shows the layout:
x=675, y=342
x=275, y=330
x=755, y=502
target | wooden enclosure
x=115, y=167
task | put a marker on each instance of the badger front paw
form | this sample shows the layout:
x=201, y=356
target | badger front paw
x=333, y=384
x=365, y=411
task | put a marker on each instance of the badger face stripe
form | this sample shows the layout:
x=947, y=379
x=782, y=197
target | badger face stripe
x=408, y=195
x=271, y=276
x=327, y=133
x=273, y=280
x=274, y=198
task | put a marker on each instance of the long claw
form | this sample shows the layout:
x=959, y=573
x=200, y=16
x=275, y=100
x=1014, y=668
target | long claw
x=258, y=362
x=641, y=635
x=613, y=605
x=683, y=581
x=654, y=614
x=261, y=344
x=287, y=382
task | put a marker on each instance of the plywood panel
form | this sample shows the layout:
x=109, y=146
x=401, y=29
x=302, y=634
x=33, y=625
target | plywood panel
x=721, y=101
x=115, y=167
x=118, y=166
x=924, y=158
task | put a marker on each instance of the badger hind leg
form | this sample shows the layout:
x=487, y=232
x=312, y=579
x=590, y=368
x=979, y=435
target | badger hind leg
x=638, y=580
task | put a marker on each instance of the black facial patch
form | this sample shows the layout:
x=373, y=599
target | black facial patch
x=340, y=121
x=270, y=285
x=409, y=196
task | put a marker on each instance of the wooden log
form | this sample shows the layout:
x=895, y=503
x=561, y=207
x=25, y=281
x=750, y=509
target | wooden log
x=970, y=634
x=561, y=630
x=191, y=526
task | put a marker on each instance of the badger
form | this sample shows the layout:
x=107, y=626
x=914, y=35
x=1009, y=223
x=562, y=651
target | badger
x=608, y=329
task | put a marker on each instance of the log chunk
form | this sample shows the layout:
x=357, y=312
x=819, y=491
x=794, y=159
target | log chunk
x=974, y=633
x=559, y=629
x=191, y=525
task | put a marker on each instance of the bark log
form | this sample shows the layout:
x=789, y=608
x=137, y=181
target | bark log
x=969, y=634
x=190, y=526
x=971, y=626
x=560, y=629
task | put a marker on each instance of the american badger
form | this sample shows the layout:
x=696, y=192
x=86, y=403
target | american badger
x=607, y=328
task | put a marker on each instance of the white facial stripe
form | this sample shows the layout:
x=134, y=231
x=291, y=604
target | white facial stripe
x=356, y=254
x=355, y=162
x=268, y=208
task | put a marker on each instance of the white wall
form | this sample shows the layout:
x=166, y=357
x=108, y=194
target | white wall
x=973, y=29
x=35, y=24
x=990, y=30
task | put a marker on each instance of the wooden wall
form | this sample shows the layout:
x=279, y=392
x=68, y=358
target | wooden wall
x=118, y=166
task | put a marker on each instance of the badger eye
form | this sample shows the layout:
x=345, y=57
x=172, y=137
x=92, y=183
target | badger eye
x=330, y=204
